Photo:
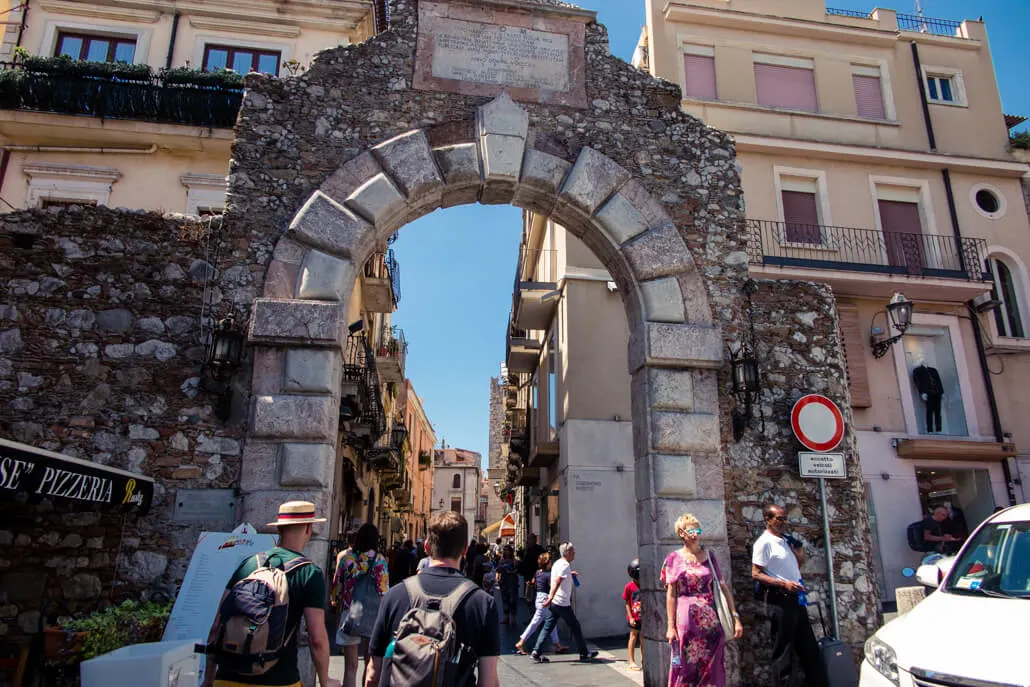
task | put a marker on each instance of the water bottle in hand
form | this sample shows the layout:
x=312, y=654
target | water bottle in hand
x=675, y=646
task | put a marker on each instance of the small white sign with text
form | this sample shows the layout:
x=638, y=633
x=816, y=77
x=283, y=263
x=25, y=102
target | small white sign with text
x=825, y=465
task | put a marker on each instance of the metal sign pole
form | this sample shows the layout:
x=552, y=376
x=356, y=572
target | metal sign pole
x=829, y=559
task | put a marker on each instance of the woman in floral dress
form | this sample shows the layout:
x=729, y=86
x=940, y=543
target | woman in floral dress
x=694, y=630
x=362, y=559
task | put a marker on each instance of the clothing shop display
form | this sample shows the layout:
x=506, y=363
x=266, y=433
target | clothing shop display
x=928, y=384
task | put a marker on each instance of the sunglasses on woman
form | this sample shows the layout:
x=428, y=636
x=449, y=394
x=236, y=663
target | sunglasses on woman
x=693, y=530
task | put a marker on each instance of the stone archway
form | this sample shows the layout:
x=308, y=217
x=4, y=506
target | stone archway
x=675, y=348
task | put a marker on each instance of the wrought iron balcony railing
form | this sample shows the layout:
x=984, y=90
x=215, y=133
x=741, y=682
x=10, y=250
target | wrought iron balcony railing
x=112, y=97
x=359, y=366
x=392, y=345
x=847, y=13
x=384, y=266
x=788, y=244
x=940, y=27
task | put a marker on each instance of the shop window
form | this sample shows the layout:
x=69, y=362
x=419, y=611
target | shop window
x=1007, y=316
x=934, y=381
x=241, y=60
x=967, y=494
x=699, y=72
x=95, y=48
x=785, y=82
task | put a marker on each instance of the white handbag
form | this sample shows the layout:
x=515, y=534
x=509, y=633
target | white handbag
x=722, y=606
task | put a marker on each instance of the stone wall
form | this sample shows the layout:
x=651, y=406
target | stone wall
x=100, y=358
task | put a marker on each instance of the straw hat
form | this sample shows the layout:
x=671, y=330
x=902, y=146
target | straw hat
x=296, y=513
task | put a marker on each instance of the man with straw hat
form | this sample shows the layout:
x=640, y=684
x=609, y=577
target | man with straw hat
x=307, y=590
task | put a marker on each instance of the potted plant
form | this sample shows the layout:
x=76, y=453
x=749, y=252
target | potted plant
x=98, y=633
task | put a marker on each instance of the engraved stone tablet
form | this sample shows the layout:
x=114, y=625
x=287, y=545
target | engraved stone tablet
x=484, y=50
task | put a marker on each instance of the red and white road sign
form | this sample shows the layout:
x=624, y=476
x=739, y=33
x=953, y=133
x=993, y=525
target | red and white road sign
x=817, y=422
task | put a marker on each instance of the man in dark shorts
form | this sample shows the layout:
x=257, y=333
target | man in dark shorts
x=476, y=620
x=307, y=598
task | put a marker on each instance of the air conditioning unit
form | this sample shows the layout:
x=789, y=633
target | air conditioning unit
x=985, y=303
x=613, y=287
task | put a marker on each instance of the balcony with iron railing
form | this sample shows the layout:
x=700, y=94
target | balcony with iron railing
x=381, y=283
x=907, y=22
x=386, y=455
x=391, y=352
x=867, y=261
x=522, y=351
x=361, y=403
x=102, y=91
x=535, y=293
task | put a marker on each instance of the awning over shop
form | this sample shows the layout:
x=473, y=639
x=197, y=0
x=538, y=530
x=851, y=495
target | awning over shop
x=32, y=474
x=505, y=527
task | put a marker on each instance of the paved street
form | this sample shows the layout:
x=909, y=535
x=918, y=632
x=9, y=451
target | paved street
x=565, y=670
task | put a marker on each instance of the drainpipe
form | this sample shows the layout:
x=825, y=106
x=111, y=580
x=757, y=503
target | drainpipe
x=171, y=40
x=152, y=148
x=922, y=97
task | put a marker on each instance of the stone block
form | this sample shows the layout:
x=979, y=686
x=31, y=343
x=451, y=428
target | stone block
x=676, y=345
x=502, y=157
x=117, y=321
x=378, y=200
x=673, y=475
x=540, y=180
x=309, y=323
x=325, y=278
x=306, y=465
x=146, y=566
x=502, y=116
x=660, y=252
x=267, y=376
x=409, y=161
x=711, y=513
x=325, y=224
x=260, y=466
x=620, y=220
x=350, y=176
x=684, y=432
x=295, y=417
x=312, y=370
x=82, y=586
x=260, y=507
x=663, y=300
x=225, y=446
x=459, y=164
x=708, y=476
x=593, y=179
x=671, y=389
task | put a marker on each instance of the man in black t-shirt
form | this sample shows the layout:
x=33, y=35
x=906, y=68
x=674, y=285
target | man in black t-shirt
x=476, y=620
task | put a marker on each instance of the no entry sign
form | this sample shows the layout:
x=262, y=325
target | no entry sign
x=817, y=423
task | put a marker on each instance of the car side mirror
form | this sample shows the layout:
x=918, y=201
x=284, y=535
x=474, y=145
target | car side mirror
x=929, y=575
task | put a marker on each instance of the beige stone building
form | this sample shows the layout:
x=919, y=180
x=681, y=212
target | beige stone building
x=457, y=478
x=142, y=141
x=875, y=158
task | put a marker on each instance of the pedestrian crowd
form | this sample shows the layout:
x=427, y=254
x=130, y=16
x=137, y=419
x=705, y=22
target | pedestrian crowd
x=427, y=614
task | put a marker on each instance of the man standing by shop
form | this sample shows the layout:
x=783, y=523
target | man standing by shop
x=559, y=600
x=776, y=566
x=307, y=592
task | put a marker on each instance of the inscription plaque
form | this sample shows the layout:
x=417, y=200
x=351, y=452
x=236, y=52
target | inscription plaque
x=501, y=55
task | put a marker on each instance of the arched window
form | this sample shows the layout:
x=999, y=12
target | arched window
x=1008, y=316
x=456, y=483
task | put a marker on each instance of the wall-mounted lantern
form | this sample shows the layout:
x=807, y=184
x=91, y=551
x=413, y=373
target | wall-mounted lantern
x=899, y=312
x=224, y=353
x=746, y=389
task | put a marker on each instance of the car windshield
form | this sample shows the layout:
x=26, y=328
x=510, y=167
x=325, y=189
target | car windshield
x=996, y=562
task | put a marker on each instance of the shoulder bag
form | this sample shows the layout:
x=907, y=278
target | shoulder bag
x=722, y=605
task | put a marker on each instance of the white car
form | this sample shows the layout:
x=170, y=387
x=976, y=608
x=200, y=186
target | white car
x=974, y=630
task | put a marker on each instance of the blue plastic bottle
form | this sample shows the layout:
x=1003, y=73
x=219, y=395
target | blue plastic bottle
x=675, y=646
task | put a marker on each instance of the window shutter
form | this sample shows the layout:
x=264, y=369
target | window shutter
x=790, y=87
x=801, y=217
x=700, y=73
x=869, y=96
x=854, y=355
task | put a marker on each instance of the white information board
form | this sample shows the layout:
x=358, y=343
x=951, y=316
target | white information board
x=215, y=559
x=825, y=465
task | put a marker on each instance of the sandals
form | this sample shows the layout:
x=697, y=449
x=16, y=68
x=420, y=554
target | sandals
x=520, y=649
x=633, y=666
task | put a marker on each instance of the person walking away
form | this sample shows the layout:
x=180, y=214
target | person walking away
x=362, y=579
x=559, y=601
x=631, y=597
x=508, y=579
x=776, y=567
x=694, y=630
x=475, y=618
x=542, y=583
x=306, y=592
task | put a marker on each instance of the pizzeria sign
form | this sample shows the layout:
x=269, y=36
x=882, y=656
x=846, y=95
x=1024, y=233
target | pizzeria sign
x=32, y=474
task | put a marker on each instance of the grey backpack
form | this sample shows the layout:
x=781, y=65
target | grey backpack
x=425, y=651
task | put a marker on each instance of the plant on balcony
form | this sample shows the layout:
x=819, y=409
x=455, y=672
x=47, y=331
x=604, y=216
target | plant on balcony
x=187, y=76
x=1020, y=140
x=425, y=460
x=63, y=65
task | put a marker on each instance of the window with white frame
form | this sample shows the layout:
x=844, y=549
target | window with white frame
x=868, y=85
x=944, y=86
x=242, y=60
x=59, y=184
x=787, y=82
x=699, y=72
x=905, y=217
x=205, y=194
x=803, y=204
x=934, y=380
x=1008, y=316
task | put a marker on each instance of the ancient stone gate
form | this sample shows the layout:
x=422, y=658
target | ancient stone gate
x=376, y=135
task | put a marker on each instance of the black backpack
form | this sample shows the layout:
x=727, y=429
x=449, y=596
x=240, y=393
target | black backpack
x=914, y=532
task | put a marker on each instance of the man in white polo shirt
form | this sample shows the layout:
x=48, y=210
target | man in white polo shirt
x=775, y=567
x=559, y=601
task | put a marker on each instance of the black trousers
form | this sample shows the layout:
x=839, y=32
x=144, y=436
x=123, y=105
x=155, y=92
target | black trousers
x=565, y=613
x=792, y=633
x=933, y=412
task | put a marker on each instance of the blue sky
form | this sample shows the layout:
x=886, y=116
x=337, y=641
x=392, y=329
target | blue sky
x=458, y=265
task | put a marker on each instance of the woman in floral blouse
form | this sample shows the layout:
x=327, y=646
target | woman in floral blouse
x=362, y=559
x=694, y=630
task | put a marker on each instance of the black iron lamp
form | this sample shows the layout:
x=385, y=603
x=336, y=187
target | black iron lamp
x=899, y=312
x=224, y=353
x=746, y=388
x=398, y=434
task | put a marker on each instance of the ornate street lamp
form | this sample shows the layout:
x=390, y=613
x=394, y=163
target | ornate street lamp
x=899, y=312
x=222, y=359
x=746, y=388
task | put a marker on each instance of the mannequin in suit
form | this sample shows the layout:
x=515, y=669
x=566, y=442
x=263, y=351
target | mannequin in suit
x=928, y=383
